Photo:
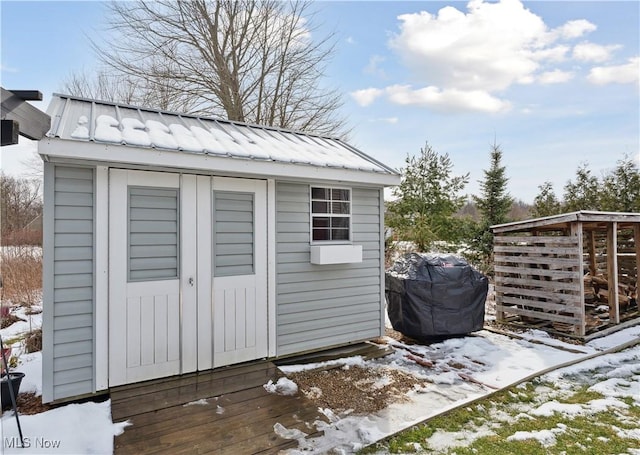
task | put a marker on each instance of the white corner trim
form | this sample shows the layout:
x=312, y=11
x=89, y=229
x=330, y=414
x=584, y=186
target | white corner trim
x=336, y=254
x=102, y=278
x=271, y=266
x=47, y=282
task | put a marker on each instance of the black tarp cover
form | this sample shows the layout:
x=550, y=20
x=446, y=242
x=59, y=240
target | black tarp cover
x=434, y=296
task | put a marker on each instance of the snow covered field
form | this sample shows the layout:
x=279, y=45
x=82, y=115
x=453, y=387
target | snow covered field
x=462, y=370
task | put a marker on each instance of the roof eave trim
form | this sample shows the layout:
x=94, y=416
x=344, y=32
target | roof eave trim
x=582, y=216
x=176, y=160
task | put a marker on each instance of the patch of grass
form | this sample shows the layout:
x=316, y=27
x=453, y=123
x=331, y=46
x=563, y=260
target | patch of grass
x=12, y=340
x=495, y=445
x=586, y=434
x=583, y=396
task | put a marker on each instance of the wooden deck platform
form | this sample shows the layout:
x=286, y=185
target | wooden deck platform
x=236, y=415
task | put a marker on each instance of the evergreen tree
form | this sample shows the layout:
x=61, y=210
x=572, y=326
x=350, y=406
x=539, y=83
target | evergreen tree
x=584, y=193
x=427, y=198
x=494, y=201
x=546, y=203
x=494, y=204
x=621, y=188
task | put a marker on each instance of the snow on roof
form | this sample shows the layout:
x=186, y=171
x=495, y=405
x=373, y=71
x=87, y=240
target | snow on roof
x=79, y=119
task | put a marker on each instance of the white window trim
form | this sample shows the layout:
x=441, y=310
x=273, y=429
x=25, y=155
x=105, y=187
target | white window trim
x=350, y=216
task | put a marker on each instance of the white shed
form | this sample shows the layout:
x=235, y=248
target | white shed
x=175, y=244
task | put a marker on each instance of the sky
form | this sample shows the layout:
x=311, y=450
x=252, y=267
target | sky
x=555, y=83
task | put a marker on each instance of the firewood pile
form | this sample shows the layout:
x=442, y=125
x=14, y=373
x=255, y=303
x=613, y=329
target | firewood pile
x=596, y=291
x=596, y=296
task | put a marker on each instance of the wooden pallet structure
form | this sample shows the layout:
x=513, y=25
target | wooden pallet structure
x=574, y=273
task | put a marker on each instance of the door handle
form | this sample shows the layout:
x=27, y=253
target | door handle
x=191, y=281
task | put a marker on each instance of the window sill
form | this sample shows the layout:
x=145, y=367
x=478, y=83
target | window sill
x=336, y=254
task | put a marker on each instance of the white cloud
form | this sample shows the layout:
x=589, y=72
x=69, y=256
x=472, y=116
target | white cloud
x=489, y=48
x=389, y=120
x=591, y=52
x=350, y=40
x=627, y=73
x=8, y=69
x=373, y=67
x=447, y=100
x=467, y=59
x=366, y=96
x=575, y=29
x=552, y=54
x=555, y=77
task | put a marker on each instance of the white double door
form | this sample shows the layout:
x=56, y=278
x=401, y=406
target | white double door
x=187, y=273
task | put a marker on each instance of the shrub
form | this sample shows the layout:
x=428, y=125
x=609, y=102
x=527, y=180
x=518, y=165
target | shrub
x=33, y=341
x=21, y=275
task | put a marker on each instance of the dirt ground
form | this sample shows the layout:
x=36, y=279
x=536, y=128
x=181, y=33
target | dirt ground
x=29, y=403
x=354, y=389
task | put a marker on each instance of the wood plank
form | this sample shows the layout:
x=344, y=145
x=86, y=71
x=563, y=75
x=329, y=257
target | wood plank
x=535, y=249
x=566, y=299
x=190, y=390
x=180, y=420
x=612, y=271
x=367, y=350
x=249, y=431
x=541, y=315
x=155, y=385
x=33, y=123
x=636, y=241
x=550, y=306
x=236, y=422
x=544, y=239
x=527, y=259
x=555, y=274
x=185, y=394
x=549, y=285
x=227, y=401
x=576, y=231
x=593, y=265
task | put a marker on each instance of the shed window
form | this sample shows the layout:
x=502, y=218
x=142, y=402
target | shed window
x=330, y=214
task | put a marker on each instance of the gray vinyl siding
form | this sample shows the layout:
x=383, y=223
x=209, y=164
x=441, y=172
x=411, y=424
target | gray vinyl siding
x=325, y=305
x=70, y=287
x=153, y=233
x=233, y=233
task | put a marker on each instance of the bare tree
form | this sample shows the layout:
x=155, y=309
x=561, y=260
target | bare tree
x=20, y=205
x=102, y=85
x=248, y=61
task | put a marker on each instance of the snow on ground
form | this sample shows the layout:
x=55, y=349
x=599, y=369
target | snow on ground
x=28, y=322
x=470, y=367
x=462, y=370
x=615, y=375
x=56, y=430
x=284, y=386
x=71, y=429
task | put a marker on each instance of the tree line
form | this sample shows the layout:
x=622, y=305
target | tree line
x=20, y=211
x=429, y=207
x=617, y=190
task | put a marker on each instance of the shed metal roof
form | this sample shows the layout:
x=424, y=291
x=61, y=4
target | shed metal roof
x=84, y=120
